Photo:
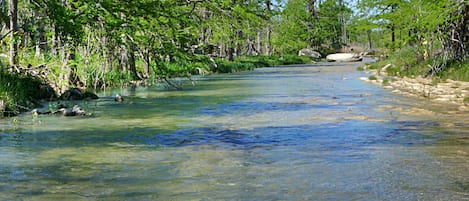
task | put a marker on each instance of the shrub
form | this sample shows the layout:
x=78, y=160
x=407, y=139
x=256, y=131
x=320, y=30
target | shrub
x=18, y=92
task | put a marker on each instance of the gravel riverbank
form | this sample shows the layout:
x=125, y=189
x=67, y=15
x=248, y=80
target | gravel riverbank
x=449, y=91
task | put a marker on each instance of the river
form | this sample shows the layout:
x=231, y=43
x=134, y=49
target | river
x=305, y=132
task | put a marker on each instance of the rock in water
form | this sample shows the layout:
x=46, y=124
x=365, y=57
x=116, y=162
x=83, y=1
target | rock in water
x=89, y=96
x=118, y=98
x=344, y=57
x=75, y=111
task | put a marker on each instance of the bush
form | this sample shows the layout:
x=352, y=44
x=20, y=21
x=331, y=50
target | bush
x=18, y=92
x=407, y=62
x=456, y=71
x=252, y=62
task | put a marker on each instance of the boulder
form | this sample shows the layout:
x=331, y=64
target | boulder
x=89, y=96
x=344, y=57
x=118, y=98
x=46, y=92
x=309, y=53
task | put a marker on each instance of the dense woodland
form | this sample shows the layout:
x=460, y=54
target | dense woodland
x=100, y=43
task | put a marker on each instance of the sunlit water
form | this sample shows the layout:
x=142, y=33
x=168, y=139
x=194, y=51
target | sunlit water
x=310, y=132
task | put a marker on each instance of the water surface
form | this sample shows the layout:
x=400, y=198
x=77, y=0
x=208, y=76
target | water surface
x=307, y=132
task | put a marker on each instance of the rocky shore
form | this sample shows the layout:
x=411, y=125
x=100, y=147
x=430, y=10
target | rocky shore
x=449, y=91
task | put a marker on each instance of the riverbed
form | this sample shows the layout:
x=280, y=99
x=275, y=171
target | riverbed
x=301, y=132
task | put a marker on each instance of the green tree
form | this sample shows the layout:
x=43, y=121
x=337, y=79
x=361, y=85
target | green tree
x=320, y=24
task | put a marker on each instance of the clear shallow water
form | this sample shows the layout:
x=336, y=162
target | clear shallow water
x=310, y=132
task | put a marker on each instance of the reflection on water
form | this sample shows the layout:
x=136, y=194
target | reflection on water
x=311, y=132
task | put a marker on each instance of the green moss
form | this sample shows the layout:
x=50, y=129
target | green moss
x=372, y=77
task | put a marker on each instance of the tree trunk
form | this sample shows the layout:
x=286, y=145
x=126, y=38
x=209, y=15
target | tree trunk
x=132, y=66
x=259, y=46
x=370, y=45
x=268, y=48
x=393, y=33
x=55, y=42
x=146, y=61
x=230, y=55
x=312, y=8
x=465, y=28
x=342, y=23
x=13, y=13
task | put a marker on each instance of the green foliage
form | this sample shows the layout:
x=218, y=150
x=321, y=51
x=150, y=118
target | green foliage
x=251, y=62
x=372, y=77
x=18, y=91
x=408, y=23
x=386, y=81
x=405, y=62
x=298, y=28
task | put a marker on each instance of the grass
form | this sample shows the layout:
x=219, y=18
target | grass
x=252, y=62
x=372, y=77
x=466, y=100
x=386, y=81
x=456, y=71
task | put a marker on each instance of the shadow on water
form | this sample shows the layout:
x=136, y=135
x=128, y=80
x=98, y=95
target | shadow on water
x=329, y=136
